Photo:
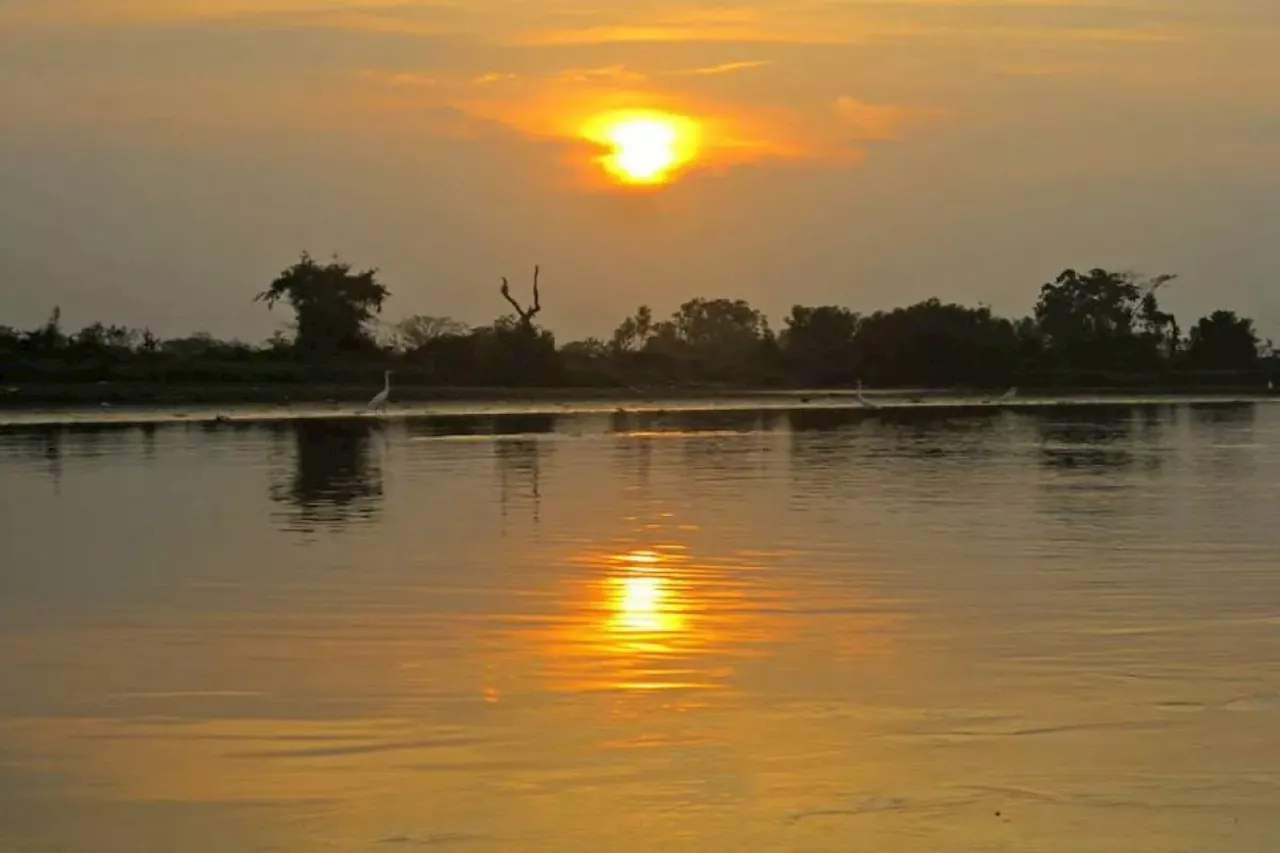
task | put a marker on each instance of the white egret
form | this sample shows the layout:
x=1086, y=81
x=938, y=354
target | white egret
x=379, y=402
x=863, y=401
x=1010, y=394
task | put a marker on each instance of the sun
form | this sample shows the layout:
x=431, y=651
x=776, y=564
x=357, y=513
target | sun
x=644, y=147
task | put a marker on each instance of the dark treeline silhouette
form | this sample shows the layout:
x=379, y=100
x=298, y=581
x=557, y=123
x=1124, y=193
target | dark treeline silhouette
x=1087, y=329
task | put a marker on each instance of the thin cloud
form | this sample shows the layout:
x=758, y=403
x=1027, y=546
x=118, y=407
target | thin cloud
x=726, y=68
x=557, y=106
x=606, y=74
x=410, y=80
x=865, y=122
x=674, y=33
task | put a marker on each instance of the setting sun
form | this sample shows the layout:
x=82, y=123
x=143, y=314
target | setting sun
x=644, y=147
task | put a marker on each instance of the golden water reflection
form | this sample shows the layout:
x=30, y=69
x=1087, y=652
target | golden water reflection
x=648, y=618
x=647, y=606
x=668, y=661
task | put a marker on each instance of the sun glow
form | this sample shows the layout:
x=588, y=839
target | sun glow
x=644, y=148
x=644, y=600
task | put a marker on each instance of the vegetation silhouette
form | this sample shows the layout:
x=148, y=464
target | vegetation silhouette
x=1089, y=329
x=334, y=306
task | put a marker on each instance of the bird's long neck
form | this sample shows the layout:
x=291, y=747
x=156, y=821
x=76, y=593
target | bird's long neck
x=386, y=382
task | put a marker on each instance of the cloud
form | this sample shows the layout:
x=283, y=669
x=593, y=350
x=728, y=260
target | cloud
x=727, y=67
x=576, y=23
x=866, y=122
x=610, y=74
x=557, y=106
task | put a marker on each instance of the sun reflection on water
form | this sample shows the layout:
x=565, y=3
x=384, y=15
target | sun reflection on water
x=642, y=617
x=646, y=605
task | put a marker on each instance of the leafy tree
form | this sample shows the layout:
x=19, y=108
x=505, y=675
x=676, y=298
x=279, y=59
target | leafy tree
x=449, y=359
x=512, y=353
x=721, y=338
x=334, y=306
x=98, y=338
x=47, y=338
x=716, y=323
x=1223, y=341
x=278, y=344
x=590, y=362
x=1094, y=321
x=1030, y=343
x=634, y=332
x=203, y=345
x=818, y=344
x=1160, y=328
x=1105, y=320
x=417, y=330
x=936, y=344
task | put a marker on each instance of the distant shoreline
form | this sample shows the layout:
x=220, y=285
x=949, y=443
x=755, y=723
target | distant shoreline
x=18, y=397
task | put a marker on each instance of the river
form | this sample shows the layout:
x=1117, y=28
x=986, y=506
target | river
x=1043, y=629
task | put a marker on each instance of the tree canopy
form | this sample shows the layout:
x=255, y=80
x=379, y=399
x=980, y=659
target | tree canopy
x=1086, y=329
x=333, y=305
x=1223, y=341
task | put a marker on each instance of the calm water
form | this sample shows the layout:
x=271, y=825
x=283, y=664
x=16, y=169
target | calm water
x=1022, y=630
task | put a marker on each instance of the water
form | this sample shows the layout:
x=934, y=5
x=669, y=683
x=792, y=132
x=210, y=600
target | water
x=953, y=629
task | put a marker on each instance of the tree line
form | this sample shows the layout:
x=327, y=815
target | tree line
x=1090, y=328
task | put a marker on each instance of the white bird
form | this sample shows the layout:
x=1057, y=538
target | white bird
x=1010, y=394
x=379, y=402
x=863, y=401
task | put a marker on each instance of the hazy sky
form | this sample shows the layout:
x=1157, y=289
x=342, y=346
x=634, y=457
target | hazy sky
x=161, y=160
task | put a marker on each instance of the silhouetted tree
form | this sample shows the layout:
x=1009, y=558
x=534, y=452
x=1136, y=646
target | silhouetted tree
x=203, y=345
x=633, y=333
x=1094, y=320
x=47, y=338
x=720, y=339
x=510, y=354
x=514, y=351
x=1159, y=327
x=936, y=344
x=525, y=315
x=334, y=306
x=1084, y=324
x=818, y=345
x=418, y=330
x=99, y=339
x=1223, y=341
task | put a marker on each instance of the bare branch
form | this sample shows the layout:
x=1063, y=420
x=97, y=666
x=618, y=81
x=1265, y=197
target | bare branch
x=537, y=303
x=506, y=294
x=526, y=314
x=1159, y=281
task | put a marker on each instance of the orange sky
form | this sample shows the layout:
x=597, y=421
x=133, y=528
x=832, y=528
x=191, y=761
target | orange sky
x=164, y=160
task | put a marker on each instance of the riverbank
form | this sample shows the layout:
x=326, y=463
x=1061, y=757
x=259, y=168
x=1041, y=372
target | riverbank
x=176, y=394
x=143, y=393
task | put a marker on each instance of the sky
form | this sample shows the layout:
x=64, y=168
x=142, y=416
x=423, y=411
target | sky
x=162, y=160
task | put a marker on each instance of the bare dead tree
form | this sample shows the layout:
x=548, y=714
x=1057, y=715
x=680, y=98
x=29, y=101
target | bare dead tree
x=526, y=314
